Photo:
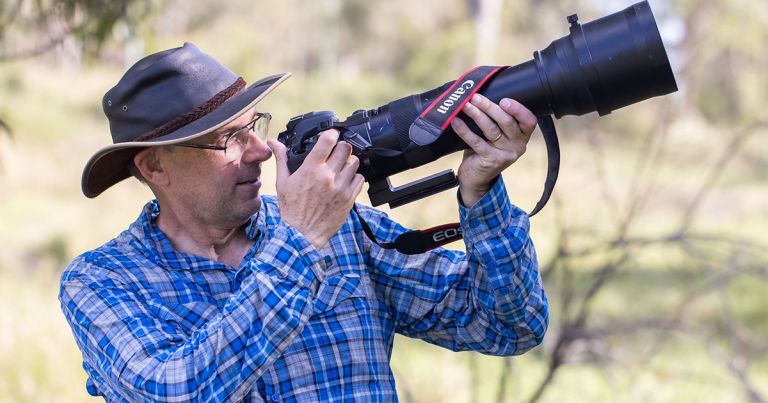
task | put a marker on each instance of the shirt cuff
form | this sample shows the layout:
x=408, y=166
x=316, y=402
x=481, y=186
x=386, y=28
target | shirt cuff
x=492, y=215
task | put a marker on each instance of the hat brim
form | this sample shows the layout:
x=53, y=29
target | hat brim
x=109, y=165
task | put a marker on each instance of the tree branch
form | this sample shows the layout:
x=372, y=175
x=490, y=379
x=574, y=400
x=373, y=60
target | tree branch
x=41, y=48
x=728, y=154
x=11, y=17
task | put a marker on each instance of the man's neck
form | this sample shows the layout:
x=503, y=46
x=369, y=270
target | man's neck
x=227, y=244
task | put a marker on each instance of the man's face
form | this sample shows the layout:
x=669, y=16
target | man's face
x=218, y=188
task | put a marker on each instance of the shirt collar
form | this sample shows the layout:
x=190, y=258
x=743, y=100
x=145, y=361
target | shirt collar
x=157, y=245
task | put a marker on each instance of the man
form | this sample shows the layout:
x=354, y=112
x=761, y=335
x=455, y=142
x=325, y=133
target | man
x=217, y=293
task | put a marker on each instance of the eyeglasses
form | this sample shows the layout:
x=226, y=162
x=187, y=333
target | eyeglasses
x=234, y=142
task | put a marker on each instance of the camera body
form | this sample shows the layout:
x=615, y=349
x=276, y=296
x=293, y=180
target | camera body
x=301, y=134
x=373, y=137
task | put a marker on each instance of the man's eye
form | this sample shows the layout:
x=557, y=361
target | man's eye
x=227, y=139
x=241, y=136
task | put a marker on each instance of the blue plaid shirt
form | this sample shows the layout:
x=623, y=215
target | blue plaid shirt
x=292, y=323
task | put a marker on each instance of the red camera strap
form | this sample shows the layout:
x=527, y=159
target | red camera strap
x=437, y=116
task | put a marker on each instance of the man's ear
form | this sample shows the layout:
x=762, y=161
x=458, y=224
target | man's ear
x=152, y=167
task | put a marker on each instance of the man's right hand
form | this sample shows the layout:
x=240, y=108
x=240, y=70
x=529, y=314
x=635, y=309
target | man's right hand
x=317, y=197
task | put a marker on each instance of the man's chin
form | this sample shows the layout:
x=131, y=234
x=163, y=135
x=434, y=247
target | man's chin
x=249, y=207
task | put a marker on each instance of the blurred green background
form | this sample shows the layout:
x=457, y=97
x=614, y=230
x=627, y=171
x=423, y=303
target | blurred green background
x=654, y=250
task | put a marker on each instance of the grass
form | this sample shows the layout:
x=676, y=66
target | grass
x=38, y=356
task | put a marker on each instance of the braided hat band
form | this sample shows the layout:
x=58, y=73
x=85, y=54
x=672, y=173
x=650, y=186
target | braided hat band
x=196, y=113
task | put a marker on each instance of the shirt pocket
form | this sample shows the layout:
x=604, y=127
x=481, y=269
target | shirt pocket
x=339, y=293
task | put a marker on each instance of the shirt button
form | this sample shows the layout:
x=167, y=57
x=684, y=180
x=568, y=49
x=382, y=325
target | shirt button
x=275, y=397
x=328, y=261
x=504, y=290
x=491, y=264
x=474, y=223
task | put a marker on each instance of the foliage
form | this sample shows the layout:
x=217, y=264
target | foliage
x=30, y=30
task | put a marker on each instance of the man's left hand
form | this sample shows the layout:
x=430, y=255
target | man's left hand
x=507, y=126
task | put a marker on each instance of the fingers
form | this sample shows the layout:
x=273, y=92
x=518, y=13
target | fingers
x=323, y=148
x=526, y=120
x=348, y=170
x=508, y=117
x=336, y=155
x=490, y=118
x=339, y=156
x=281, y=159
x=356, y=187
x=475, y=142
x=326, y=151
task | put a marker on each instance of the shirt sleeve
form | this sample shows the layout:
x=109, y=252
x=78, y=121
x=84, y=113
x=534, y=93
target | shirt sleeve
x=141, y=357
x=489, y=299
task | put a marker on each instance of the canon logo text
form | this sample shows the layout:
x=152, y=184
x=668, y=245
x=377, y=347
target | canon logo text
x=455, y=96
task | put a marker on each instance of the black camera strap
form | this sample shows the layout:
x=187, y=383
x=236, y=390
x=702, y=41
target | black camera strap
x=429, y=126
x=418, y=241
x=548, y=131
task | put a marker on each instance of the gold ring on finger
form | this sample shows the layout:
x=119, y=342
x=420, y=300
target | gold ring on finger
x=497, y=137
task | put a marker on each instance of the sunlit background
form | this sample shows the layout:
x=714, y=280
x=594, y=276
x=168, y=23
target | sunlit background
x=654, y=249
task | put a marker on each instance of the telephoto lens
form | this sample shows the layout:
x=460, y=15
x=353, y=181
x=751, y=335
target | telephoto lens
x=600, y=66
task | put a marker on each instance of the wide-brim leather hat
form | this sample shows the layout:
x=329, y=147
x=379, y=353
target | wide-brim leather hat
x=167, y=98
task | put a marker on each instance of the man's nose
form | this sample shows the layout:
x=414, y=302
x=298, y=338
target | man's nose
x=256, y=150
